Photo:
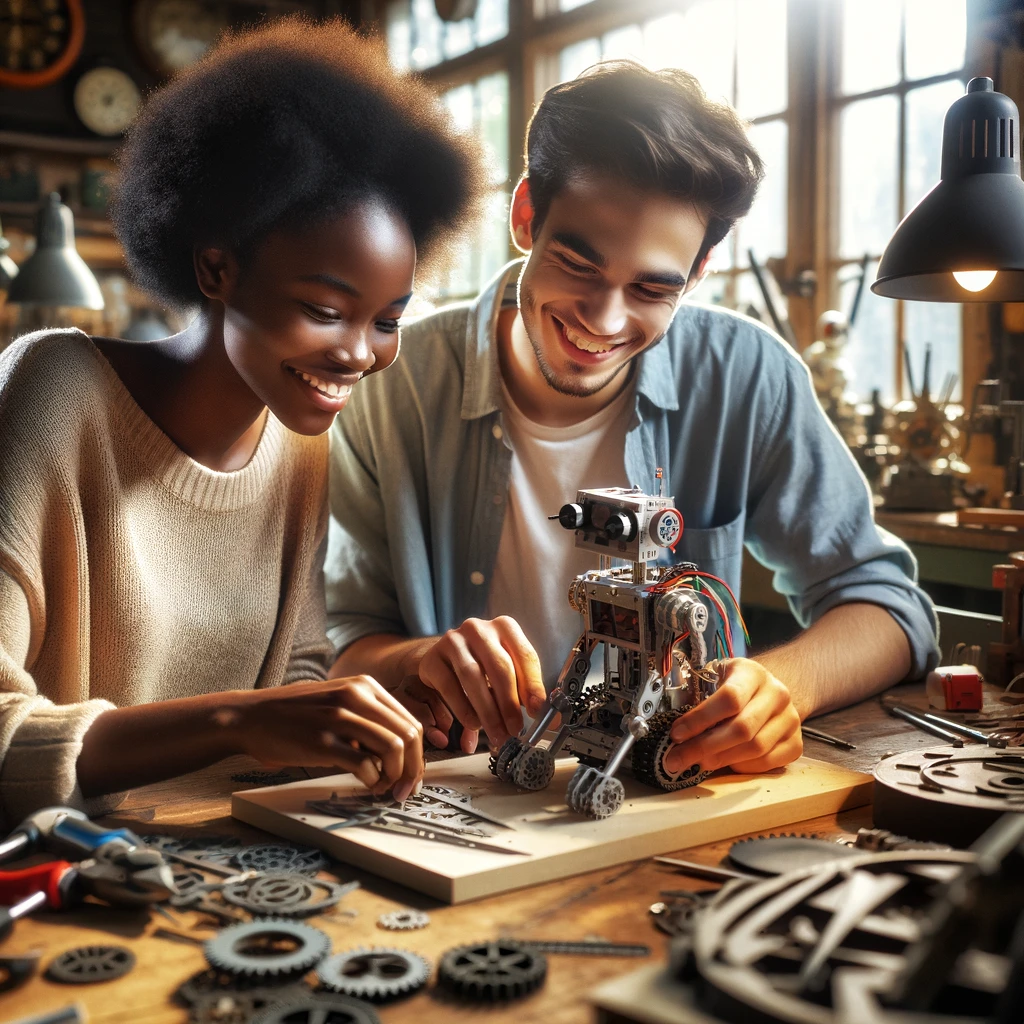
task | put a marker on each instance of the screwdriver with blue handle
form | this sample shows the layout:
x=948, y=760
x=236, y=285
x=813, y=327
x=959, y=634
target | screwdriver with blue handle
x=117, y=865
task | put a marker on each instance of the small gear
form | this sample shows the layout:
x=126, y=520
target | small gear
x=192, y=886
x=775, y=855
x=500, y=763
x=593, y=794
x=403, y=920
x=534, y=769
x=88, y=964
x=285, y=894
x=378, y=974
x=276, y=857
x=492, y=971
x=269, y=947
x=318, y=1008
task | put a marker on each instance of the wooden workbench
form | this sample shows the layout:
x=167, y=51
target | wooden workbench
x=612, y=904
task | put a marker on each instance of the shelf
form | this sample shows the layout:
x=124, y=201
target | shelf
x=87, y=221
x=57, y=144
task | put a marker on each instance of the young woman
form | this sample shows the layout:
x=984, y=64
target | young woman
x=163, y=505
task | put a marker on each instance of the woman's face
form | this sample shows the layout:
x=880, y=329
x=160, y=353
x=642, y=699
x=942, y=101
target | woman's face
x=315, y=310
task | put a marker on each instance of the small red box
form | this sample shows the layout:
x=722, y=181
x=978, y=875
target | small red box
x=955, y=688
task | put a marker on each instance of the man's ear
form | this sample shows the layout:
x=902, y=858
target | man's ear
x=701, y=272
x=521, y=216
x=216, y=271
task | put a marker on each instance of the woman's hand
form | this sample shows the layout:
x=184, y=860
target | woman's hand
x=749, y=724
x=353, y=724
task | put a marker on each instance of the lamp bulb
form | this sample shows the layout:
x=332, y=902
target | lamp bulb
x=974, y=280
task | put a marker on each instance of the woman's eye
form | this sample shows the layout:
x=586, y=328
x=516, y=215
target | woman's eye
x=387, y=326
x=322, y=314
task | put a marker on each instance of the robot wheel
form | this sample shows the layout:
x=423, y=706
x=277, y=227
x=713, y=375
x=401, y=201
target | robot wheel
x=648, y=753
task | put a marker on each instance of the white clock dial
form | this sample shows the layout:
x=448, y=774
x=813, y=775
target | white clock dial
x=106, y=100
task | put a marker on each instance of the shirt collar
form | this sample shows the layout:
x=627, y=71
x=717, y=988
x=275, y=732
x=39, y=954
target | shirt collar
x=481, y=393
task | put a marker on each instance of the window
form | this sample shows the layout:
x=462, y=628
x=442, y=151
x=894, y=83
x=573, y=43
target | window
x=418, y=38
x=901, y=64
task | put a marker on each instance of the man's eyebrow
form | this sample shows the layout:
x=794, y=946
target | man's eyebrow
x=668, y=278
x=332, y=282
x=580, y=246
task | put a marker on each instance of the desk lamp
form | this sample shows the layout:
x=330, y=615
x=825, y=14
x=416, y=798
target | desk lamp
x=55, y=275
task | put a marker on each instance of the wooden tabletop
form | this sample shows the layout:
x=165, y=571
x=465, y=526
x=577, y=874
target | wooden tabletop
x=612, y=903
x=942, y=528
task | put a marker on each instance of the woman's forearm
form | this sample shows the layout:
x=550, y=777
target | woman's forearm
x=135, y=746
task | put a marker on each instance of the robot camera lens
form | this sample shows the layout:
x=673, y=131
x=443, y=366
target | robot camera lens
x=571, y=516
x=620, y=526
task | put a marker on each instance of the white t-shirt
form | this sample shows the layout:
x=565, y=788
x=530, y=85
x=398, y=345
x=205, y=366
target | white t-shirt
x=537, y=557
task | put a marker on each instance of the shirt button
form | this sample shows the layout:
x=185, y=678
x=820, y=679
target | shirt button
x=497, y=432
x=476, y=577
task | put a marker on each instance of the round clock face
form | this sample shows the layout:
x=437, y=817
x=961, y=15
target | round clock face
x=39, y=40
x=106, y=100
x=172, y=34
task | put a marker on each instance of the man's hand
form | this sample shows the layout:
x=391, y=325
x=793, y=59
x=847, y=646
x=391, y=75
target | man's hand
x=749, y=724
x=353, y=724
x=483, y=674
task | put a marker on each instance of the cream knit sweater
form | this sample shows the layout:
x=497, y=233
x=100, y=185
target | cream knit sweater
x=130, y=573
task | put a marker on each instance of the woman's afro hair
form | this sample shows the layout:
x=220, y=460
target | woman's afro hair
x=284, y=126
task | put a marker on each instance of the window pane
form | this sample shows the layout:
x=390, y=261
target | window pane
x=460, y=103
x=870, y=353
x=711, y=291
x=761, y=86
x=871, y=45
x=493, y=106
x=627, y=41
x=939, y=324
x=399, y=34
x=749, y=300
x=458, y=38
x=764, y=228
x=418, y=38
x=706, y=46
x=926, y=110
x=573, y=59
x=936, y=35
x=426, y=34
x=569, y=5
x=479, y=258
x=491, y=21
x=661, y=41
x=869, y=133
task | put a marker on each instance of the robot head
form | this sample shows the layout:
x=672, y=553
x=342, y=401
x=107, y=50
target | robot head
x=622, y=523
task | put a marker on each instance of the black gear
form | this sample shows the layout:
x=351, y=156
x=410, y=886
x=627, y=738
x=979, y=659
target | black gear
x=775, y=855
x=269, y=947
x=492, y=971
x=213, y=981
x=285, y=894
x=588, y=700
x=318, y=1008
x=379, y=974
x=648, y=752
x=500, y=763
x=268, y=857
x=88, y=964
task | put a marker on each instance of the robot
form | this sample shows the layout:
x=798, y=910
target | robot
x=652, y=621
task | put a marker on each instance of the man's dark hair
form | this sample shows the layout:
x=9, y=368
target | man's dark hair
x=283, y=127
x=656, y=130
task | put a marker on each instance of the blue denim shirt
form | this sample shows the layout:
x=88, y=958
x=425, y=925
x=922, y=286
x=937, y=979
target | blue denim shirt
x=420, y=475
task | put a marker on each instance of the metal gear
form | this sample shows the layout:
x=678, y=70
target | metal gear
x=403, y=920
x=592, y=794
x=588, y=700
x=775, y=855
x=286, y=894
x=534, y=769
x=269, y=947
x=318, y=1008
x=276, y=857
x=88, y=964
x=379, y=974
x=648, y=752
x=492, y=971
x=500, y=763
x=216, y=982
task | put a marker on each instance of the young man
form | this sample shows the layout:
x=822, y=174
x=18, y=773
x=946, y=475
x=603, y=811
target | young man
x=446, y=580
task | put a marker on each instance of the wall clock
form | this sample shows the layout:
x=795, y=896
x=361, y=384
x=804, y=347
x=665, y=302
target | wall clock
x=106, y=100
x=172, y=34
x=39, y=41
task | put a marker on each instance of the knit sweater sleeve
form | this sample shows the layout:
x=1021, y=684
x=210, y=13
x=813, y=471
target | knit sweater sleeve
x=312, y=653
x=39, y=740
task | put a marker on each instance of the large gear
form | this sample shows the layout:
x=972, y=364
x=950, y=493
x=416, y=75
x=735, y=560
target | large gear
x=286, y=894
x=403, y=920
x=649, y=751
x=318, y=1008
x=269, y=947
x=379, y=974
x=211, y=982
x=534, y=768
x=239, y=1006
x=88, y=964
x=492, y=971
x=268, y=857
x=775, y=855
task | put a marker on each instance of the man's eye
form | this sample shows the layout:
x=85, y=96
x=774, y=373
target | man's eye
x=387, y=326
x=578, y=268
x=649, y=293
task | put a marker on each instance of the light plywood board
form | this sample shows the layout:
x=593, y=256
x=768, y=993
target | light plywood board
x=557, y=843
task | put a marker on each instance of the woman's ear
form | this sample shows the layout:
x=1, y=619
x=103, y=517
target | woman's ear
x=521, y=217
x=216, y=271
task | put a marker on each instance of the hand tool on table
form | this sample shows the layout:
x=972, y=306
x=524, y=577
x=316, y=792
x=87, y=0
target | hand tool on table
x=710, y=871
x=118, y=866
x=827, y=737
x=992, y=739
x=915, y=718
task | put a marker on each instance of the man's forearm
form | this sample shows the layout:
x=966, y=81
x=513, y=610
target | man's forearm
x=387, y=657
x=851, y=652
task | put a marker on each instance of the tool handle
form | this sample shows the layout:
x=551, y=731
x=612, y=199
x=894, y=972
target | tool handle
x=48, y=878
x=8, y=915
x=81, y=836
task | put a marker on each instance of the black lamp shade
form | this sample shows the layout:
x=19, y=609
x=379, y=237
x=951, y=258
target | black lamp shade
x=973, y=219
x=55, y=275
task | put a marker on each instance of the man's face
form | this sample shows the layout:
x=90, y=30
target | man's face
x=604, y=277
